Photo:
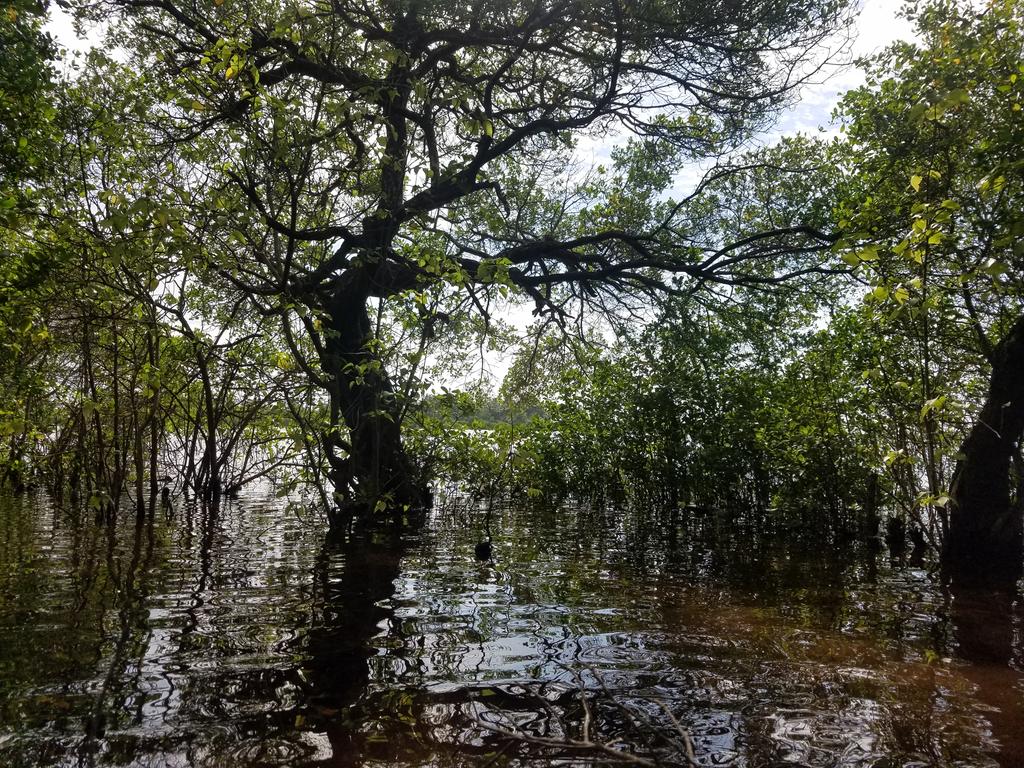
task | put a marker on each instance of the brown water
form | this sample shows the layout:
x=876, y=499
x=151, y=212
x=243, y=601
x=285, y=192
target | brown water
x=239, y=638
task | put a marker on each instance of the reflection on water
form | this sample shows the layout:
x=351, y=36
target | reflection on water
x=239, y=637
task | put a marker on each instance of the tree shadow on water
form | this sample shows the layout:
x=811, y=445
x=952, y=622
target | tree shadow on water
x=352, y=578
x=986, y=625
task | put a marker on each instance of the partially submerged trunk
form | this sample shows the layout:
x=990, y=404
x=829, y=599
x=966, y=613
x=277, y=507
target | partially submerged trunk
x=370, y=470
x=984, y=541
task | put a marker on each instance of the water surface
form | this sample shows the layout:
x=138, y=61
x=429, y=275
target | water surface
x=241, y=637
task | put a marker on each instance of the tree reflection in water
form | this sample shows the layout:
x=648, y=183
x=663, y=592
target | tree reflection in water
x=237, y=636
x=351, y=580
x=987, y=630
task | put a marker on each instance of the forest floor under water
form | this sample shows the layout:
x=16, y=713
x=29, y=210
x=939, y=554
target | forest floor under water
x=238, y=637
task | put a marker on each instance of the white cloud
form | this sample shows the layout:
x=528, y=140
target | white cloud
x=878, y=25
x=61, y=27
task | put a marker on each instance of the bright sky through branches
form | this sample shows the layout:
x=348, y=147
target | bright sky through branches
x=878, y=24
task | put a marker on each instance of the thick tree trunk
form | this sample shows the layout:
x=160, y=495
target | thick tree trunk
x=984, y=541
x=374, y=474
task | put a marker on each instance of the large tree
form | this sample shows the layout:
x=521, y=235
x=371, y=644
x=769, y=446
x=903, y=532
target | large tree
x=359, y=150
x=933, y=154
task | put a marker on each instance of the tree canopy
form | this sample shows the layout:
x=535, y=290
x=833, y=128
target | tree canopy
x=356, y=152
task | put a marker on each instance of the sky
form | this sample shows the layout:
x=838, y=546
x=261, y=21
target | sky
x=878, y=25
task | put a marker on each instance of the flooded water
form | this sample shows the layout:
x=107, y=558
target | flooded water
x=239, y=637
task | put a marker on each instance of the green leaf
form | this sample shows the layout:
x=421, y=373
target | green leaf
x=934, y=404
x=868, y=253
x=485, y=271
x=994, y=268
x=958, y=96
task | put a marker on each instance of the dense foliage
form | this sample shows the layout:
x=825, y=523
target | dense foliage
x=897, y=386
x=257, y=241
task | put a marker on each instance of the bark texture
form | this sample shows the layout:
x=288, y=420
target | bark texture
x=984, y=541
x=370, y=469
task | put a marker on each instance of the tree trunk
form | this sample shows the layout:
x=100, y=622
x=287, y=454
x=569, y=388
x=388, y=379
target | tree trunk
x=118, y=436
x=984, y=541
x=208, y=483
x=375, y=474
x=153, y=352
x=140, y=461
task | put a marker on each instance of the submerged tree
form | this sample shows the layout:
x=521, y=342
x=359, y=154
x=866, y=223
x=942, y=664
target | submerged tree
x=358, y=151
